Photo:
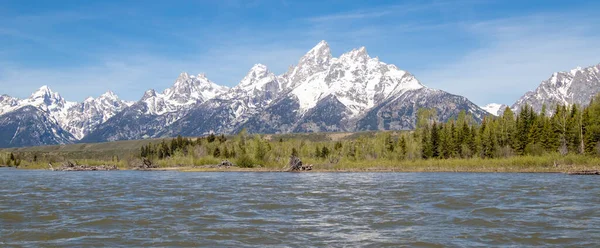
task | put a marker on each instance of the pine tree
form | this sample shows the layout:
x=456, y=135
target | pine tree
x=435, y=141
x=403, y=146
x=325, y=152
x=426, y=145
x=317, y=152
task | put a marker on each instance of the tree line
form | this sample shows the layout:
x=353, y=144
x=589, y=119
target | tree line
x=570, y=129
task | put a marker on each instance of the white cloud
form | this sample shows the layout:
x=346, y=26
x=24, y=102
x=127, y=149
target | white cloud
x=517, y=55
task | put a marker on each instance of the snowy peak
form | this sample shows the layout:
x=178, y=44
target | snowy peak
x=257, y=77
x=148, y=94
x=83, y=117
x=315, y=60
x=109, y=95
x=359, y=55
x=183, y=77
x=189, y=89
x=494, y=108
x=186, y=92
x=44, y=95
x=319, y=52
x=356, y=80
x=576, y=86
x=7, y=103
x=42, y=92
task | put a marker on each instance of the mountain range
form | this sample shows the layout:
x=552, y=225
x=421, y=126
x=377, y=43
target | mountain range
x=577, y=86
x=353, y=92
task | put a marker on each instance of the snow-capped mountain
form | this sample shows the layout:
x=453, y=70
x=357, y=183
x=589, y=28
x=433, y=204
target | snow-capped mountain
x=323, y=93
x=7, y=103
x=188, y=90
x=31, y=126
x=495, y=108
x=577, y=86
x=352, y=92
x=68, y=121
x=154, y=112
x=85, y=116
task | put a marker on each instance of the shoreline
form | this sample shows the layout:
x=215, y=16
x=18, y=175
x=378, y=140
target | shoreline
x=359, y=170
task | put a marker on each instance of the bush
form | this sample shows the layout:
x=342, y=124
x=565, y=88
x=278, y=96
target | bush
x=534, y=150
x=206, y=160
x=244, y=161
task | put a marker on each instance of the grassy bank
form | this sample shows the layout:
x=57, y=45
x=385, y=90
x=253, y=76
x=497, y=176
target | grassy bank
x=552, y=163
x=524, y=164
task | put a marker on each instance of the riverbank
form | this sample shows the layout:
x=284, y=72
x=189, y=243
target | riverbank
x=482, y=169
x=550, y=163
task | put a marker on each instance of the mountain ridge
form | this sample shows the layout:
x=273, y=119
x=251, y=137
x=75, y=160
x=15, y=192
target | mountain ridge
x=352, y=92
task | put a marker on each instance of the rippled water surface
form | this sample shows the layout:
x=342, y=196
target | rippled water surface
x=130, y=208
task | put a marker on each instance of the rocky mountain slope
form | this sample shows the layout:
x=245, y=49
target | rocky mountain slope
x=154, y=112
x=49, y=114
x=31, y=126
x=577, y=86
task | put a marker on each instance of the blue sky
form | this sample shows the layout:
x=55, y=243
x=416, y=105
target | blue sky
x=488, y=51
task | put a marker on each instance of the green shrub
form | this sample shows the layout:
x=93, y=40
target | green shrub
x=244, y=161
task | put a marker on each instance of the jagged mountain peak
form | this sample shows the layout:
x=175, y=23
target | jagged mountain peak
x=189, y=89
x=258, y=68
x=576, y=86
x=148, y=94
x=183, y=76
x=44, y=89
x=321, y=49
x=45, y=92
x=315, y=60
x=319, y=54
x=256, y=75
x=109, y=95
x=359, y=55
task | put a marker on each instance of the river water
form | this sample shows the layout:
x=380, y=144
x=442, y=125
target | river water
x=174, y=209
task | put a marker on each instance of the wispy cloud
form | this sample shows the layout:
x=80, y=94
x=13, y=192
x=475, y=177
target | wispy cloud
x=387, y=10
x=353, y=15
x=515, y=56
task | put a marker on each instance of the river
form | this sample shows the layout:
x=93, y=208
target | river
x=175, y=209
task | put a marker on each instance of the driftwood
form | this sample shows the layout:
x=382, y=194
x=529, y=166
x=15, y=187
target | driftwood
x=146, y=164
x=296, y=164
x=584, y=172
x=226, y=163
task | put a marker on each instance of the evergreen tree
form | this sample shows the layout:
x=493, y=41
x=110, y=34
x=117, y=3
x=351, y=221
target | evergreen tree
x=403, y=146
x=435, y=141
